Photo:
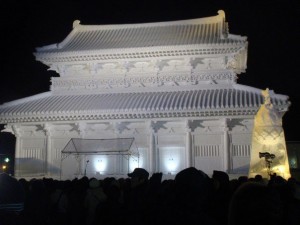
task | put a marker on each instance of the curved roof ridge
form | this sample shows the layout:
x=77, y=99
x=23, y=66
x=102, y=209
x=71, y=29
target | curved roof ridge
x=27, y=99
x=236, y=100
x=217, y=18
x=84, y=33
x=257, y=90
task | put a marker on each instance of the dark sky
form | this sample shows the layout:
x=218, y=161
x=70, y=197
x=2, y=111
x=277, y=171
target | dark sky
x=272, y=28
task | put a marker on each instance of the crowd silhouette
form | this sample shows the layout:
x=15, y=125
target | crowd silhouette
x=192, y=197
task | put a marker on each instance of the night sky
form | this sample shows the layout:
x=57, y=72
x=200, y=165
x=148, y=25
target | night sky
x=272, y=28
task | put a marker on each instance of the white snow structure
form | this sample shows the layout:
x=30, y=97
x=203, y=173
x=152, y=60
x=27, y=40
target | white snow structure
x=169, y=86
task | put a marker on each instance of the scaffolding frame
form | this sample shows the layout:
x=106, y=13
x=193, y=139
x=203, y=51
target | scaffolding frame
x=121, y=146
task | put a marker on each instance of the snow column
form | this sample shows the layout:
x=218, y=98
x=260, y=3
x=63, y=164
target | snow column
x=226, y=147
x=17, y=150
x=188, y=147
x=48, y=158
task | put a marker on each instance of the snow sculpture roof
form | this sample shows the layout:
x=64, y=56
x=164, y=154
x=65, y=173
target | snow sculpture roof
x=238, y=100
x=204, y=36
x=168, y=70
x=210, y=30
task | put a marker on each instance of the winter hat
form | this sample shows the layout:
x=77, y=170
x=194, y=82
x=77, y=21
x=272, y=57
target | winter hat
x=139, y=173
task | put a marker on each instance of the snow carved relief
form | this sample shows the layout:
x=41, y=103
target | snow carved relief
x=148, y=66
x=65, y=84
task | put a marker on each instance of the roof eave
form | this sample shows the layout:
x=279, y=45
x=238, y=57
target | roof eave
x=47, y=57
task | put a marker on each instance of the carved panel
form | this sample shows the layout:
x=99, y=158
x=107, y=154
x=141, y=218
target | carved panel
x=241, y=150
x=207, y=150
x=151, y=80
x=34, y=153
x=209, y=157
x=237, y=62
x=209, y=63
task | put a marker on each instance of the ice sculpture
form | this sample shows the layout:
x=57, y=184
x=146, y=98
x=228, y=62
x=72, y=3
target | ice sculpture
x=268, y=154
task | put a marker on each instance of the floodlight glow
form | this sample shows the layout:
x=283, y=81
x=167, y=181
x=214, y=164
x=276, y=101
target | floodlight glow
x=3, y=167
x=100, y=164
x=171, y=159
x=280, y=170
x=172, y=164
x=6, y=160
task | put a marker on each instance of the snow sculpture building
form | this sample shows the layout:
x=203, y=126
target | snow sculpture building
x=171, y=86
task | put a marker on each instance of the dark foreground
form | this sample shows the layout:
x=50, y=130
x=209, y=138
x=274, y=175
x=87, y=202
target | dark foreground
x=191, y=198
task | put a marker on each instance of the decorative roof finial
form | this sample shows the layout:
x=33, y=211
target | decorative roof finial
x=225, y=29
x=221, y=13
x=76, y=23
x=266, y=94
